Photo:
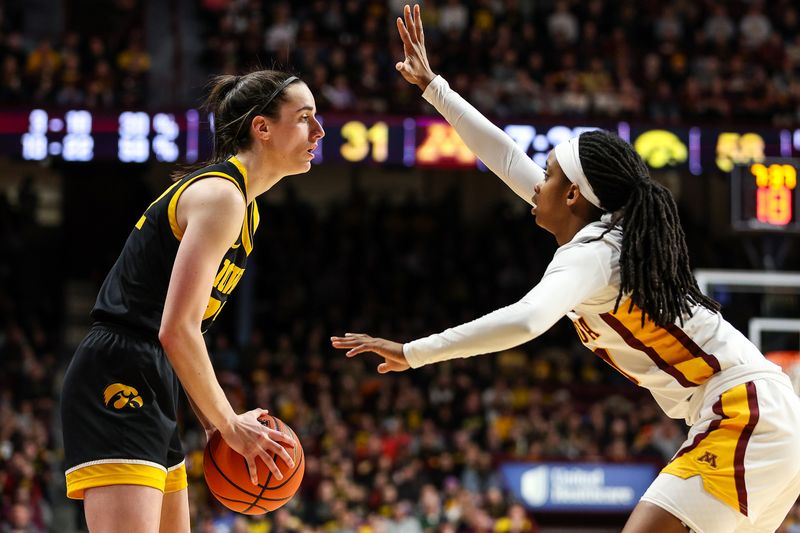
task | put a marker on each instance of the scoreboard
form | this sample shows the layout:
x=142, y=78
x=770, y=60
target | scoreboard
x=765, y=196
x=762, y=164
x=186, y=137
x=81, y=135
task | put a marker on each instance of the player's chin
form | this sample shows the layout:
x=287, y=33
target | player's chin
x=301, y=168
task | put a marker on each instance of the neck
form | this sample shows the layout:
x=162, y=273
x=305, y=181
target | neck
x=260, y=176
x=567, y=231
x=582, y=213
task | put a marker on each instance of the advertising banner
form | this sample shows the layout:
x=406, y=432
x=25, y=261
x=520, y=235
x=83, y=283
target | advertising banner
x=591, y=487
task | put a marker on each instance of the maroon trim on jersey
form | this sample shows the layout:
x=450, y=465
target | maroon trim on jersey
x=692, y=347
x=603, y=354
x=717, y=408
x=741, y=447
x=631, y=340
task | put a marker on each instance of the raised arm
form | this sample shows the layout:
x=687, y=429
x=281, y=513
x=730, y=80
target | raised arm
x=491, y=144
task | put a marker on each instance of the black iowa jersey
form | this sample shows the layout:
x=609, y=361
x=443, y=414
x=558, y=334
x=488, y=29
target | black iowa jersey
x=134, y=291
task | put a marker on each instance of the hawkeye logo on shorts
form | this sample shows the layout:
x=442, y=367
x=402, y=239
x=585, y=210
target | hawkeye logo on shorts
x=709, y=458
x=121, y=396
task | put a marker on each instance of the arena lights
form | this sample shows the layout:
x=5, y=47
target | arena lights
x=185, y=137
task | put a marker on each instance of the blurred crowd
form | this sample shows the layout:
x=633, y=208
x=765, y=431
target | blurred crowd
x=107, y=68
x=30, y=356
x=658, y=61
x=661, y=62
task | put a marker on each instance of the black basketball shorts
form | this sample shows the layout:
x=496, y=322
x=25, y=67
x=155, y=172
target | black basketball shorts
x=118, y=412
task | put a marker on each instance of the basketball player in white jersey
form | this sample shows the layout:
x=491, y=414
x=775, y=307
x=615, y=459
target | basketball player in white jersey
x=622, y=275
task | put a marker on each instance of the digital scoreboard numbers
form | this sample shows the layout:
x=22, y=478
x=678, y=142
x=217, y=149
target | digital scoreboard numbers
x=365, y=141
x=129, y=137
x=538, y=143
x=738, y=149
x=69, y=138
x=765, y=196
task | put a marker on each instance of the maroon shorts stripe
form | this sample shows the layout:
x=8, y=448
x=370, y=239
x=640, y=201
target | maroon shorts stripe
x=741, y=447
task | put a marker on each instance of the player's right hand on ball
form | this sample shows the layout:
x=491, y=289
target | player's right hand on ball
x=251, y=439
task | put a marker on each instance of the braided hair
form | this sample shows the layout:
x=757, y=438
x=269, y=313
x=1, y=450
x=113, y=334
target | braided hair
x=654, y=261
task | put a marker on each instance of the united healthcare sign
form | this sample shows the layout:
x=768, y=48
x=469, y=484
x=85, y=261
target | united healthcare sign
x=589, y=487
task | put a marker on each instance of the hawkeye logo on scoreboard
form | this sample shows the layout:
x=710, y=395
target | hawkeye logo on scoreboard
x=661, y=148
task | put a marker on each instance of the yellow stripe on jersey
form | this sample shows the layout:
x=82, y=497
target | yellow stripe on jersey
x=669, y=347
x=240, y=167
x=256, y=216
x=717, y=455
x=172, y=210
x=253, y=219
x=122, y=473
x=246, y=241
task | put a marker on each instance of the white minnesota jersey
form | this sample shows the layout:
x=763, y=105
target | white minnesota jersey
x=744, y=443
x=670, y=361
x=703, y=353
x=582, y=282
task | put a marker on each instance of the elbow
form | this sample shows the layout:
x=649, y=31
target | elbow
x=171, y=334
x=531, y=329
x=166, y=336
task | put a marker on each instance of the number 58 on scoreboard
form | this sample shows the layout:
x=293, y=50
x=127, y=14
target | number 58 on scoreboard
x=765, y=195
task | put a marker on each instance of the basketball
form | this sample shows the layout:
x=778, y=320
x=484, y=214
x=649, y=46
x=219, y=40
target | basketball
x=228, y=478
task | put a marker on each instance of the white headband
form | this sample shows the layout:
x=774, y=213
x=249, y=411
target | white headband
x=570, y=162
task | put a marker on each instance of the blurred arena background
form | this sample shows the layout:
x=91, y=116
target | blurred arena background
x=396, y=231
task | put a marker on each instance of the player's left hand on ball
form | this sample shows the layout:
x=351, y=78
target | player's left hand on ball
x=392, y=352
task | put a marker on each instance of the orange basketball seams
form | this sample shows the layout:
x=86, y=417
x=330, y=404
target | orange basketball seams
x=228, y=477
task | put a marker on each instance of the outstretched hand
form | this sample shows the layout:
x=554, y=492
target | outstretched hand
x=392, y=352
x=415, y=69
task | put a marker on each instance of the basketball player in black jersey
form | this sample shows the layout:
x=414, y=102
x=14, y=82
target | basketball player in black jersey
x=182, y=259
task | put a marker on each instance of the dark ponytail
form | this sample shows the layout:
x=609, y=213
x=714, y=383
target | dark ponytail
x=654, y=261
x=235, y=101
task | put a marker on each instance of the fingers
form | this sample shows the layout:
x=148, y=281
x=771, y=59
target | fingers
x=281, y=452
x=412, y=28
x=269, y=460
x=418, y=25
x=253, y=469
x=392, y=366
x=384, y=368
x=271, y=465
x=360, y=348
x=349, y=340
x=404, y=35
x=279, y=436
